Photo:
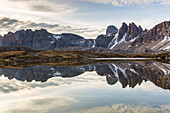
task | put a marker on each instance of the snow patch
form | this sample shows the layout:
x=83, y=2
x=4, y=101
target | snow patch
x=162, y=43
x=123, y=39
x=94, y=44
x=56, y=37
x=81, y=42
x=132, y=40
x=132, y=70
x=115, y=72
x=53, y=41
x=161, y=68
x=94, y=68
x=114, y=39
x=52, y=69
x=167, y=48
x=116, y=42
x=121, y=69
x=129, y=46
x=82, y=68
x=57, y=73
x=129, y=64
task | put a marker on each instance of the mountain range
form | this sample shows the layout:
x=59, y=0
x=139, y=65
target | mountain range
x=128, y=38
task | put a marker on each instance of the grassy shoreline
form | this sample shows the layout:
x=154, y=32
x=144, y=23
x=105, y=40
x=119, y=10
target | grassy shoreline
x=63, y=57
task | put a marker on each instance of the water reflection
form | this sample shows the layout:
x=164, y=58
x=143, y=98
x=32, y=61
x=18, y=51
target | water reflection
x=128, y=73
x=92, y=88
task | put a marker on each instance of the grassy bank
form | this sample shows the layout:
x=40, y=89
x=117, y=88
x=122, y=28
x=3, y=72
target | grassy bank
x=61, y=57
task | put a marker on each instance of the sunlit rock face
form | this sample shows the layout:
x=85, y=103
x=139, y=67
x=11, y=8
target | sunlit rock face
x=158, y=38
x=159, y=31
x=128, y=73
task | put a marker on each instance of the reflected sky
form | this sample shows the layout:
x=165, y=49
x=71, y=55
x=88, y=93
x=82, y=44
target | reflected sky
x=86, y=93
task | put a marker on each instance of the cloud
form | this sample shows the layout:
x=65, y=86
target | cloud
x=8, y=24
x=166, y=2
x=53, y=7
x=43, y=6
x=130, y=2
x=14, y=86
x=124, y=108
x=21, y=0
x=36, y=104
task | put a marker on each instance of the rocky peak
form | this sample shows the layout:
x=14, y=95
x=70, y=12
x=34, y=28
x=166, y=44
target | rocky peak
x=126, y=33
x=9, y=34
x=140, y=29
x=9, y=39
x=111, y=30
x=122, y=31
x=28, y=30
x=129, y=32
x=133, y=31
x=145, y=30
x=44, y=30
x=158, y=32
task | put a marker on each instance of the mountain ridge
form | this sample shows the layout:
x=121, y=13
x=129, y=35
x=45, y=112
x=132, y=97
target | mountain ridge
x=130, y=38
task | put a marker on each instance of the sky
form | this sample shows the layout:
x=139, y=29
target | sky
x=88, y=18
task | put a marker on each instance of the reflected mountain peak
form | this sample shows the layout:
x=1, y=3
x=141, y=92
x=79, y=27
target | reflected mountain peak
x=128, y=73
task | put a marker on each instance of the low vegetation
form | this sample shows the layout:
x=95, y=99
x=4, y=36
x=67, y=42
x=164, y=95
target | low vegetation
x=61, y=57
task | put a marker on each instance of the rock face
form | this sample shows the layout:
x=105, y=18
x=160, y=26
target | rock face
x=122, y=32
x=41, y=39
x=114, y=37
x=125, y=34
x=159, y=31
x=1, y=40
x=158, y=38
x=133, y=38
x=111, y=30
x=7, y=49
x=103, y=41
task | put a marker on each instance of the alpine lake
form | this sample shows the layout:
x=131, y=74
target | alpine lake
x=119, y=86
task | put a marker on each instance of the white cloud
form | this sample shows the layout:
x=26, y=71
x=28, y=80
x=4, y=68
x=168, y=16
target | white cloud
x=130, y=2
x=8, y=24
x=38, y=6
x=124, y=108
x=15, y=86
x=35, y=104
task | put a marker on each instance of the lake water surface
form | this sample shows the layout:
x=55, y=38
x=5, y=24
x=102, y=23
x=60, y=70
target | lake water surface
x=117, y=87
